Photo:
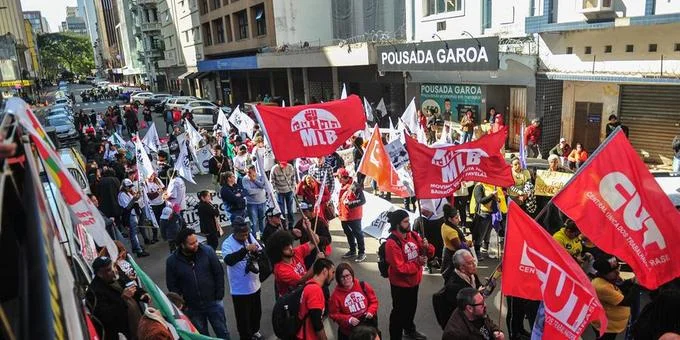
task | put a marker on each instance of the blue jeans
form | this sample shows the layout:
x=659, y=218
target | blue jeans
x=213, y=313
x=132, y=229
x=286, y=205
x=467, y=137
x=355, y=236
x=676, y=164
x=256, y=215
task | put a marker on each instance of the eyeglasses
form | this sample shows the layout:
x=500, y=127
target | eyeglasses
x=477, y=304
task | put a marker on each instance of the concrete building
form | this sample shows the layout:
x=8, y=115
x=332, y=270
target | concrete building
x=130, y=44
x=72, y=11
x=75, y=25
x=602, y=57
x=45, y=25
x=32, y=67
x=14, y=56
x=152, y=45
x=38, y=22
x=183, y=44
x=12, y=19
x=88, y=11
x=107, y=45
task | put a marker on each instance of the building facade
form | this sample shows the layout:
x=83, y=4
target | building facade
x=37, y=21
x=130, y=44
x=600, y=58
x=75, y=25
x=152, y=45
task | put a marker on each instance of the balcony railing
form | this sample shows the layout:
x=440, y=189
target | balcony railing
x=151, y=26
x=147, y=2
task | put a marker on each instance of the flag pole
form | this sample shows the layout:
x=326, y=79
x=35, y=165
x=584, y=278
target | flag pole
x=580, y=169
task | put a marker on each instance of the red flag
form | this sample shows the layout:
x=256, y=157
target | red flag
x=376, y=164
x=619, y=206
x=311, y=130
x=548, y=273
x=438, y=172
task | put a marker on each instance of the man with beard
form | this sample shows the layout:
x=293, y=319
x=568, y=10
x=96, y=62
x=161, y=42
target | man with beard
x=112, y=304
x=469, y=320
x=194, y=272
x=406, y=253
x=313, y=301
x=289, y=262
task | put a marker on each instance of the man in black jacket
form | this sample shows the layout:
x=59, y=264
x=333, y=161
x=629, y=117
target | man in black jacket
x=232, y=195
x=195, y=272
x=112, y=304
x=107, y=193
x=207, y=216
x=217, y=165
x=464, y=275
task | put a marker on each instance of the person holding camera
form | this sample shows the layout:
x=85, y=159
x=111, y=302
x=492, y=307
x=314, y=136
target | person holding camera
x=352, y=303
x=241, y=251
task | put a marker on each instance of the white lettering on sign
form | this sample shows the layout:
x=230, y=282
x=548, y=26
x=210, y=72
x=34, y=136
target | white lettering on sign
x=443, y=56
x=355, y=302
x=316, y=127
x=566, y=300
x=454, y=163
x=619, y=192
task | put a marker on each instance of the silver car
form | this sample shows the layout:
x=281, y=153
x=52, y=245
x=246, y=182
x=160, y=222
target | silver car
x=66, y=130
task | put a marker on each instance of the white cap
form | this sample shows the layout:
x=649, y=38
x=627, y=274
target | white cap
x=127, y=183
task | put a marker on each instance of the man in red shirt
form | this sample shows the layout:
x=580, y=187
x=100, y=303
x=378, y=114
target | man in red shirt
x=406, y=253
x=289, y=263
x=533, y=137
x=313, y=301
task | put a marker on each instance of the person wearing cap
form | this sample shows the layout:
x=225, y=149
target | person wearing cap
x=406, y=259
x=176, y=192
x=256, y=198
x=533, y=137
x=194, y=271
x=244, y=284
x=112, y=304
x=169, y=224
x=282, y=178
x=241, y=160
x=275, y=223
x=318, y=225
x=127, y=200
x=208, y=217
x=614, y=294
x=350, y=201
x=561, y=150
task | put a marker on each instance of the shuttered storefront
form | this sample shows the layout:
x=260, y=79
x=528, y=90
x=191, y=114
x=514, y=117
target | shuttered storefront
x=652, y=115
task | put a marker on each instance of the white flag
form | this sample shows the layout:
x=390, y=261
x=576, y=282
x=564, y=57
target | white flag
x=242, y=122
x=368, y=109
x=269, y=190
x=116, y=140
x=422, y=137
x=194, y=137
x=147, y=205
x=410, y=116
x=223, y=122
x=144, y=166
x=151, y=139
x=183, y=165
x=344, y=92
x=382, y=108
x=283, y=103
x=317, y=204
x=401, y=128
x=393, y=133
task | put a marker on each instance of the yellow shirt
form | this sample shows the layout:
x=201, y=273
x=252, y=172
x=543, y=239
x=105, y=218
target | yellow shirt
x=449, y=234
x=610, y=296
x=573, y=246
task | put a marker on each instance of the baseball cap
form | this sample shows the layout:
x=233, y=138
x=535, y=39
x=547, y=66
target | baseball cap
x=127, y=183
x=342, y=172
x=100, y=262
x=271, y=212
x=305, y=206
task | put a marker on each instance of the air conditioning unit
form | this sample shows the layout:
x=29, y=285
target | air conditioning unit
x=597, y=9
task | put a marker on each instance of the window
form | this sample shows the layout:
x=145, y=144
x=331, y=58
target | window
x=652, y=47
x=588, y=50
x=260, y=20
x=215, y=4
x=227, y=24
x=444, y=6
x=570, y=50
x=608, y=49
x=677, y=48
x=441, y=26
x=487, y=13
x=630, y=48
x=218, y=28
x=204, y=6
x=207, y=37
x=242, y=21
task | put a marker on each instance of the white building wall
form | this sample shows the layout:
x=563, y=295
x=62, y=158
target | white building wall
x=297, y=21
x=181, y=32
x=553, y=49
x=667, y=7
x=569, y=10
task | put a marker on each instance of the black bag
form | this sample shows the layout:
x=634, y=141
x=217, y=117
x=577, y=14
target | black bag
x=285, y=319
x=383, y=266
x=442, y=308
x=363, y=321
x=265, y=265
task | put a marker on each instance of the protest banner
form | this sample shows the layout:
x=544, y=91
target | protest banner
x=549, y=183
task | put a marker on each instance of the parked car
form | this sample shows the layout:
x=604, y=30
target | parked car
x=60, y=112
x=197, y=103
x=73, y=160
x=140, y=97
x=178, y=102
x=63, y=100
x=66, y=130
x=62, y=107
x=156, y=99
x=127, y=92
x=205, y=116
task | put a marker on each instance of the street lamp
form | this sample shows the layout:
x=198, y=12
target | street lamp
x=479, y=45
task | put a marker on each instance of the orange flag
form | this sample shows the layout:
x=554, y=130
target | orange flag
x=376, y=164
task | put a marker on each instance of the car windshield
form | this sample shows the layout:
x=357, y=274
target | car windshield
x=58, y=112
x=59, y=121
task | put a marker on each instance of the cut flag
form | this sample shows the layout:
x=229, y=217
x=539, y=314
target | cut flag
x=410, y=117
x=549, y=274
x=313, y=130
x=242, y=122
x=183, y=165
x=381, y=108
x=344, y=92
x=619, y=206
x=151, y=139
x=368, y=109
x=376, y=164
x=438, y=172
x=223, y=122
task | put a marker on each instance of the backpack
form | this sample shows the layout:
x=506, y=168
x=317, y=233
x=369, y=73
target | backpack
x=383, y=266
x=285, y=319
x=442, y=308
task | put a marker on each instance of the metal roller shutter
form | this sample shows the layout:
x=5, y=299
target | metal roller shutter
x=652, y=115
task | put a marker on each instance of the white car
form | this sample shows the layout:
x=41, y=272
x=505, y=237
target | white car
x=197, y=103
x=204, y=116
x=140, y=97
x=63, y=100
x=178, y=102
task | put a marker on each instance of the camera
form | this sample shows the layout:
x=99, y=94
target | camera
x=251, y=262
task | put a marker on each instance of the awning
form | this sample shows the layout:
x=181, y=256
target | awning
x=227, y=64
x=202, y=75
x=193, y=75
x=185, y=75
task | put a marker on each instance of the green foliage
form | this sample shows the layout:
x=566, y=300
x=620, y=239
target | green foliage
x=65, y=51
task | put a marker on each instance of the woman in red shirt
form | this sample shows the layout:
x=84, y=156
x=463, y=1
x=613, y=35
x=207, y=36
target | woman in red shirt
x=352, y=302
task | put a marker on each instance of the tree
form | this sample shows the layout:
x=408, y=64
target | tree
x=65, y=51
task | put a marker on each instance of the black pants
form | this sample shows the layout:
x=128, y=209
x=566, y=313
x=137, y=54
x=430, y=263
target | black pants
x=461, y=204
x=248, y=312
x=518, y=309
x=481, y=226
x=606, y=336
x=212, y=240
x=355, y=236
x=433, y=233
x=404, y=303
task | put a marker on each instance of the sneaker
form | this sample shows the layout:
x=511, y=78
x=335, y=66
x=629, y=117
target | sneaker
x=143, y=254
x=257, y=336
x=348, y=255
x=415, y=335
x=360, y=258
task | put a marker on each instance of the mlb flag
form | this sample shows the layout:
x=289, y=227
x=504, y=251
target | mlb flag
x=438, y=172
x=549, y=274
x=312, y=130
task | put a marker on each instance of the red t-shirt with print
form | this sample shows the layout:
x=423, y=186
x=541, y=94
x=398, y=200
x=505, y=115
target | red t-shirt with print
x=312, y=298
x=287, y=275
